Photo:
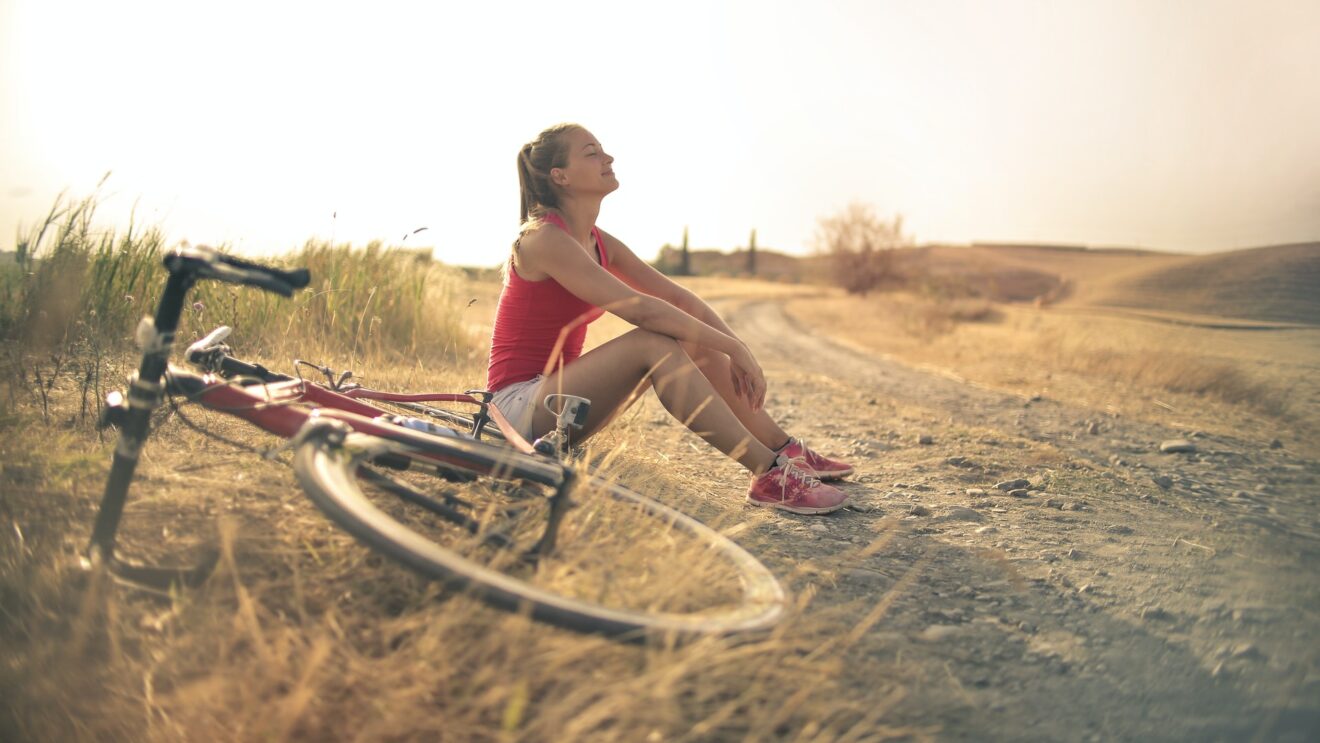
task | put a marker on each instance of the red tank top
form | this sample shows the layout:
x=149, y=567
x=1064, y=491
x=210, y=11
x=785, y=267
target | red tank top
x=529, y=319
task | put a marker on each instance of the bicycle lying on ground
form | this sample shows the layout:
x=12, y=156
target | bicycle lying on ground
x=526, y=529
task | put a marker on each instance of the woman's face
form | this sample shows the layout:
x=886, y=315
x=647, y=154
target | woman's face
x=590, y=170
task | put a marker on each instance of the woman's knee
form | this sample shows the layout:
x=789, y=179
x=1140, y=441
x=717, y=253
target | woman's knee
x=654, y=346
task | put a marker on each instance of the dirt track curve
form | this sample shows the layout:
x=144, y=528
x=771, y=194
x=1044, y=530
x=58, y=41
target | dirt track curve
x=1099, y=604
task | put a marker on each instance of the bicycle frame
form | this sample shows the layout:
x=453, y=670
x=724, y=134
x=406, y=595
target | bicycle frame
x=212, y=355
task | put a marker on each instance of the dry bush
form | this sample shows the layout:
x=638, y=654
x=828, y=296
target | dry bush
x=927, y=318
x=859, y=246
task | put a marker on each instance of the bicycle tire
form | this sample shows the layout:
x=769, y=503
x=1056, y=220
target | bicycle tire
x=327, y=462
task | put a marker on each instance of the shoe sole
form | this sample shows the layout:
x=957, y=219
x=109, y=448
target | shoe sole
x=804, y=510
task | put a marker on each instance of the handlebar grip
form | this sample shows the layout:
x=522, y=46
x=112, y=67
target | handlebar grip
x=296, y=278
x=209, y=263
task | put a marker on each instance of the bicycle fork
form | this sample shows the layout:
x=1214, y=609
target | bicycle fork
x=132, y=415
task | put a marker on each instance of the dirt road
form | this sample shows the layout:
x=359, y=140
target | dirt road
x=1121, y=593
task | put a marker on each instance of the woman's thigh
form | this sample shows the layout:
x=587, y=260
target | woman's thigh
x=611, y=376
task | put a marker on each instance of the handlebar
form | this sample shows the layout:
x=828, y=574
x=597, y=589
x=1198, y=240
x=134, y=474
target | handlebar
x=209, y=263
x=212, y=355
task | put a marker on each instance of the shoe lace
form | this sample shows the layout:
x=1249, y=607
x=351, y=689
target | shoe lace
x=797, y=469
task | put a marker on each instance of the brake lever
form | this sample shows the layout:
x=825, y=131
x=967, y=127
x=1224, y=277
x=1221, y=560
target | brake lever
x=198, y=352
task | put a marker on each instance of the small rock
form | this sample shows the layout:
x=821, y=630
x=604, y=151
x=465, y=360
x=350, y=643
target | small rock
x=958, y=513
x=975, y=492
x=1074, y=554
x=1087, y=588
x=1248, y=650
x=1276, y=444
x=925, y=439
x=873, y=401
x=1093, y=428
x=861, y=506
x=1177, y=446
x=919, y=510
x=1012, y=484
x=1164, y=481
x=1074, y=506
x=948, y=615
x=819, y=528
x=862, y=575
x=1119, y=529
x=1053, y=503
x=938, y=632
x=1155, y=613
x=1020, y=493
x=987, y=530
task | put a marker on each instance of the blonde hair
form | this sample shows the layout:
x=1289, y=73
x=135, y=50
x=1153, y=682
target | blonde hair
x=536, y=193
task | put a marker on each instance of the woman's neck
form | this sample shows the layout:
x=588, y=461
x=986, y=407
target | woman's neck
x=580, y=216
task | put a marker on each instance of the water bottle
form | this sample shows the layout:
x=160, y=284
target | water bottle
x=425, y=426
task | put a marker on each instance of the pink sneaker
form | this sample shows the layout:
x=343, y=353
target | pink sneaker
x=790, y=486
x=825, y=468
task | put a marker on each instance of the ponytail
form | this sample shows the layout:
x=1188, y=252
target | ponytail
x=525, y=198
x=536, y=194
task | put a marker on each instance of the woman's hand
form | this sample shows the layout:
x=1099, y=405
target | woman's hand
x=748, y=379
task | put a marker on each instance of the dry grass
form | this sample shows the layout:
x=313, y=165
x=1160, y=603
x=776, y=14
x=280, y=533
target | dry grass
x=302, y=634
x=1213, y=377
x=1178, y=371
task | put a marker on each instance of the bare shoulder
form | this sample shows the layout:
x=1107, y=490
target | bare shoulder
x=538, y=246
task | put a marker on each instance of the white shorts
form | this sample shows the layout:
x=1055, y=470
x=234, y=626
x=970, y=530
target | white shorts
x=518, y=403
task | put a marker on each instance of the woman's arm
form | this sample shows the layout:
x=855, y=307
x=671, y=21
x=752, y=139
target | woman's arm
x=554, y=253
x=643, y=277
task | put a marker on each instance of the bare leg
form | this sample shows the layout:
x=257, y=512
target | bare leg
x=615, y=374
x=715, y=366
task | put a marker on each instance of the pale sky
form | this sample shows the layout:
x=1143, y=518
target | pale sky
x=1185, y=126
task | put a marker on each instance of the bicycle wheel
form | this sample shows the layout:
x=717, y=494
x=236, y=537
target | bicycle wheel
x=621, y=564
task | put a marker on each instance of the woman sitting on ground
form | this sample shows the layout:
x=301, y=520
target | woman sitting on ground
x=565, y=272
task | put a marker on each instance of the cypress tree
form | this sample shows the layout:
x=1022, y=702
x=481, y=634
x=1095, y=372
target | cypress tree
x=685, y=268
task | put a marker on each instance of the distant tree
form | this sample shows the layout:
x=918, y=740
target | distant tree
x=685, y=267
x=751, y=253
x=664, y=261
x=859, y=246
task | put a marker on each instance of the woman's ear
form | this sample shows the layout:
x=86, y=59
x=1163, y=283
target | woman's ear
x=558, y=177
